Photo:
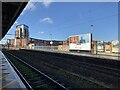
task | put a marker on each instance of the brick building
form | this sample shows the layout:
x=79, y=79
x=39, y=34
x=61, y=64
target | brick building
x=11, y=42
x=40, y=42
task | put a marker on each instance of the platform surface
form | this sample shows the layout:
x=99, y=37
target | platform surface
x=8, y=77
x=98, y=55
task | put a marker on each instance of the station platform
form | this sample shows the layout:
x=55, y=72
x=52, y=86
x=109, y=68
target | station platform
x=98, y=55
x=8, y=77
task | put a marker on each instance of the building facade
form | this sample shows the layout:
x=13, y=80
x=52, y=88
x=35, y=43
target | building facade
x=115, y=44
x=21, y=36
x=100, y=46
x=40, y=42
x=11, y=42
x=108, y=47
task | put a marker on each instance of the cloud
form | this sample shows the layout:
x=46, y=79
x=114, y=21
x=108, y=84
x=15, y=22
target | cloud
x=30, y=6
x=47, y=20
x=41, y=32
x=47, y=3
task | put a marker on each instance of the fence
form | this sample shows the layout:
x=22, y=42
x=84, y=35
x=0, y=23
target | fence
x=54, y=48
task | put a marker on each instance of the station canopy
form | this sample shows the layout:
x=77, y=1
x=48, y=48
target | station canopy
x=10, y=12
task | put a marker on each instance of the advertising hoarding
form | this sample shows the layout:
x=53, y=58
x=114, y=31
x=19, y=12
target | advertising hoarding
x=115, y=46
x=108, y=48
x=80, y=42
x=100, y=46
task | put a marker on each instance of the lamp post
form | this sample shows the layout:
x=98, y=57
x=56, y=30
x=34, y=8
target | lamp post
x=8, y=43
x=51, y=42
x=94, y=49
x=42, y=40
x=92, y=44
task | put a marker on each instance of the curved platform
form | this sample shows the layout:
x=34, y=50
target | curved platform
x=8, y=77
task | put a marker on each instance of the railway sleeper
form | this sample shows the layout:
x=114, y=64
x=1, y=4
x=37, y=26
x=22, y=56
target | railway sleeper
x=40, y=81
x=40, y=84
x=36, y=82
x=43, y=86
x=31, y=80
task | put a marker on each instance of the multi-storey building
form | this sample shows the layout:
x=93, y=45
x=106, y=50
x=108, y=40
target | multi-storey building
x=11, y=42
x=21, y=36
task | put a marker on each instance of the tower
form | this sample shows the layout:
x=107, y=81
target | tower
x=21, y=36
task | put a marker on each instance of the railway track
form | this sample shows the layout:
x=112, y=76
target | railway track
x=96, y=70
x=115, y=72
x=32, y=77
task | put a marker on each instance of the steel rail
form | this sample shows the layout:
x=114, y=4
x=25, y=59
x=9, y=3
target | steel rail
x=28, y=86
x=63, y=87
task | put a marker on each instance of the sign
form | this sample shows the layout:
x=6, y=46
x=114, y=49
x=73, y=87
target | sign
x=80, y=42
x=100, y=46
x=115, y=46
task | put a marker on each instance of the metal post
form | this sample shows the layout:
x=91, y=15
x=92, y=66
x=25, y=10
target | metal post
x=0, y=23
x=91, y=39
x=8, y=43
x=96, y=47
x=9, y=38
x=51, y=41
x=0, y=20
x=43, y=45
x=1, y=75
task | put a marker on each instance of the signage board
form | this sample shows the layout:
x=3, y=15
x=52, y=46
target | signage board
x=100, y=46
x=115, y=46
x=80, y=42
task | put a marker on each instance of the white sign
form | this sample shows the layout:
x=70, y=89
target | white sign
x=115, y=46
x=80, y=42
x=100, y=46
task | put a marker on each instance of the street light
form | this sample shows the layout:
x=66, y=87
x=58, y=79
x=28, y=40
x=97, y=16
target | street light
x=92, y=48
x=51, y=42
x=92, y=26
x=42, y=39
